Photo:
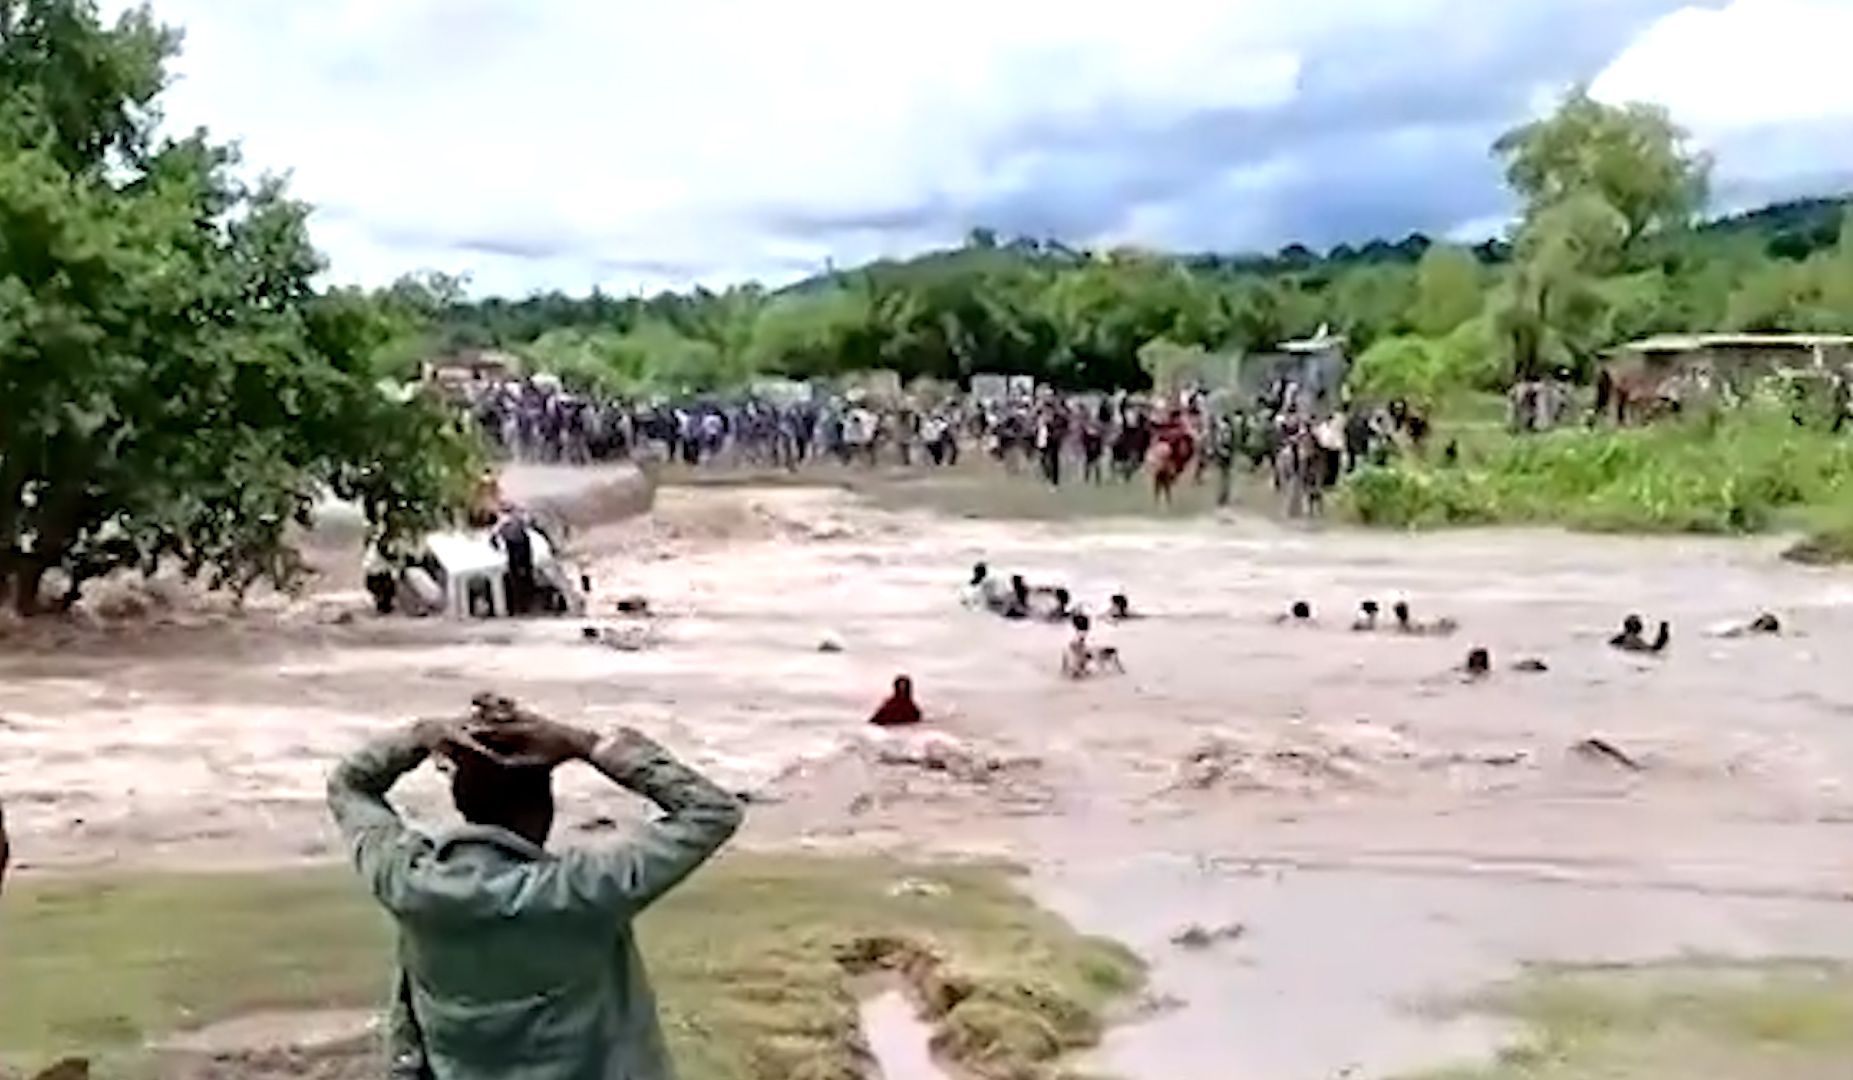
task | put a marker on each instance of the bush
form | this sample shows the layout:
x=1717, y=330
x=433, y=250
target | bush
x=1735, y=473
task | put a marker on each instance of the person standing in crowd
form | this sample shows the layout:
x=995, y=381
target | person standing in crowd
x=516, y=960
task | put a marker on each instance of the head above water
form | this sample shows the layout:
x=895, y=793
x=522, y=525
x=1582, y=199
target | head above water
x=1302, y=610
x=1766, y=624
x=1400, y=609
x=1370, y=608
x=979, y=572
x=1633, y=625
x=1118, y=604
x=904, y=687
x=1019, y=586
x=1479, y=662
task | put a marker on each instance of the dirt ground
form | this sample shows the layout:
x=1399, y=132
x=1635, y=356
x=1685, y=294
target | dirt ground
x=1383, y=829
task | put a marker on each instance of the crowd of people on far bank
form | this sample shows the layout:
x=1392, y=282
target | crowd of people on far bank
x=1303, y=441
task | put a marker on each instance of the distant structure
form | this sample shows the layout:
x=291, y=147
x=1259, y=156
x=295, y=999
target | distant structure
x=1315, y=367
x=1746, y=356
x=475, y=365
x=1658, y=375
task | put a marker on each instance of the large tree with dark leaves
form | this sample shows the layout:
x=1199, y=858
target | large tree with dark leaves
x=172, y=386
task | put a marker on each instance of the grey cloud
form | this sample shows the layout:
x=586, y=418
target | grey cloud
x=1456, y=83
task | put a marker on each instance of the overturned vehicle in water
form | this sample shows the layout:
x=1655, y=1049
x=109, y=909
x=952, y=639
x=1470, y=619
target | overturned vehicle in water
x=510, y=569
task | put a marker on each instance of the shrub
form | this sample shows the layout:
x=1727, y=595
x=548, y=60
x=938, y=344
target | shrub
x=1735, y=473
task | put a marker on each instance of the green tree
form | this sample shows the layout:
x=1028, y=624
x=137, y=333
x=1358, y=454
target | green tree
x=1450, y=289
x=1370, y=302
x=1634, y=157
x=174, y=388
x=1171, y=366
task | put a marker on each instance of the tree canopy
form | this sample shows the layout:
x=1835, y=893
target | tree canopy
x=174, y=385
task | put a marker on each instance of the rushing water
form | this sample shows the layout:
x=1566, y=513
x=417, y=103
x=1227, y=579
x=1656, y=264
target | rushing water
x=899, y=1039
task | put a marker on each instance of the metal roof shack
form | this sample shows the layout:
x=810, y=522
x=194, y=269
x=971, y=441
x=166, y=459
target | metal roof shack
x=1317, y=365
x=1742, y=353
x=471, y=366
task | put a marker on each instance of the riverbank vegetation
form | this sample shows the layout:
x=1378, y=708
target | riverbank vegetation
x=1723, y=1022
x=1746, y=470
x=109, y=966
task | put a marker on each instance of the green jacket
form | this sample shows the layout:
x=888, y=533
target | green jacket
x=516, y=963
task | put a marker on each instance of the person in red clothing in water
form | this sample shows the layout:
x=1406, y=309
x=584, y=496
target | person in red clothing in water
x=899, y=710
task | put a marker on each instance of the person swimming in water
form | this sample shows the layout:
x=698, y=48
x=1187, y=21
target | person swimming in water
x=1057, y=607
x=984, y=591
x=1081, y=658
x=1300, y=614
x=1765, y=624
x=1405, y=624
x=1631, y=640
x=1119, y=609
x=1367, y=617
x=899, y=710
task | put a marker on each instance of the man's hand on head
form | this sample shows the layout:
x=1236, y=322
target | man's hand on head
x=444, y=738
x=536, y=742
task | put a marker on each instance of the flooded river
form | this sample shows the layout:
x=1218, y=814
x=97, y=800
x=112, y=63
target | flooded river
x=1383, y=831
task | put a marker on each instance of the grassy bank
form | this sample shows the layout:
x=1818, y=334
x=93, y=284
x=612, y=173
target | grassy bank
x=753, y=961
x=1743, y=472
x=1725, y=1022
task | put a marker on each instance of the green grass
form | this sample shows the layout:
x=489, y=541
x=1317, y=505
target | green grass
x=1828, y=537
x=1743, y=472
x=1720, y=1022
x=752, y=961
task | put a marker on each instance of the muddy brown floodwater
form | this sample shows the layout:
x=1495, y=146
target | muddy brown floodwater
x=1381, y=831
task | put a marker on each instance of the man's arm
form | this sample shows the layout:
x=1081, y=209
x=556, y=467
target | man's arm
x=698, y=818
x=357, y=789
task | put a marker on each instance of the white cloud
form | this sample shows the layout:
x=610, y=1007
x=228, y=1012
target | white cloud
x=640, y=144
x=1748, y=65
x=628, y=131
x=1763, y=82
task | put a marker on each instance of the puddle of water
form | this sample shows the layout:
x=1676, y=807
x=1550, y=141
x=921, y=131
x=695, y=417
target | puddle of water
x=1340, y=972
x=269, y=1031
x=899, y=1039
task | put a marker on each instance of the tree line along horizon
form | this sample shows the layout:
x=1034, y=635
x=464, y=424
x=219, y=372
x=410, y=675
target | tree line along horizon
x=1609, y=247
x=176, y=388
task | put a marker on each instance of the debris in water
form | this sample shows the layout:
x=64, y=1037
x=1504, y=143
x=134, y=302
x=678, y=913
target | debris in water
x=1532, y=665
x=1197, y=938
x=621, y=638
x=919, y=887
x=829, y=645
x=68, y=1069
x=1608, y=751
x=633, y=605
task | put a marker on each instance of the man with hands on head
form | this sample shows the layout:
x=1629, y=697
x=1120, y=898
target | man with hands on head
x=516, y=961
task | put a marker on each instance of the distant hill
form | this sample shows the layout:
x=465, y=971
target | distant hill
x=1790, y=230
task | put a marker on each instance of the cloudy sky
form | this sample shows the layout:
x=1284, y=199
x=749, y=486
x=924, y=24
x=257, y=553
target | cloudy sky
x=640, y=144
